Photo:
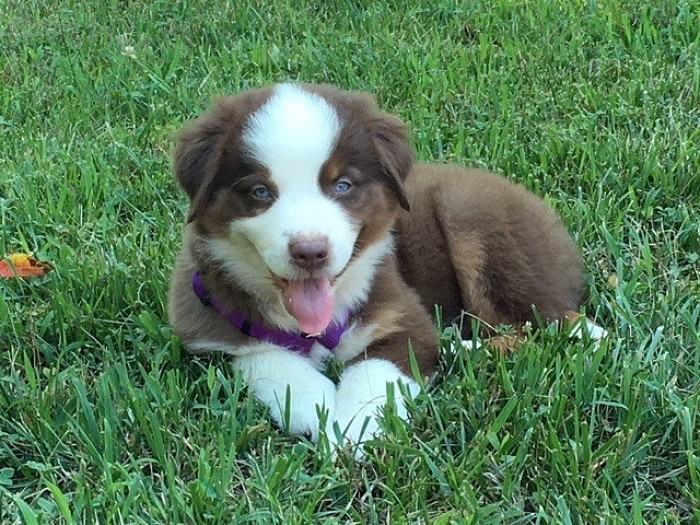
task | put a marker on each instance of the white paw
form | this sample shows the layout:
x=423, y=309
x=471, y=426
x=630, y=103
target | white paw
x=357, y=423
x=303, y=411
x=469, y=344
x=298, y=395
x=363, y=392
x=596, y=332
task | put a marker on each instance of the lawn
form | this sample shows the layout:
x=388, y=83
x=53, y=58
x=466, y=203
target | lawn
x=594, y=105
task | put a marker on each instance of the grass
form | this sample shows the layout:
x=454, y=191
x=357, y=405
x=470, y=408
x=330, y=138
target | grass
x=594, y=105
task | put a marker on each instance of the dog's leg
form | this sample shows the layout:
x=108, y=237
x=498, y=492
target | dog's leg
x=289, y=384
x=364, y=390
x=573, y=320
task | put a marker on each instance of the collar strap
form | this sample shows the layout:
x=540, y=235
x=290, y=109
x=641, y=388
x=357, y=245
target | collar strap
x=299, y=343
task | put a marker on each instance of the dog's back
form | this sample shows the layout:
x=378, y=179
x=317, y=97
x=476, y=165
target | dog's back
x=476, y=242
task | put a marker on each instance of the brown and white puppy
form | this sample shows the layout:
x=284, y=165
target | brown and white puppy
x=299, y=220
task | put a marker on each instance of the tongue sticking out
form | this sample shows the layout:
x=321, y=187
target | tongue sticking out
x=311, y=302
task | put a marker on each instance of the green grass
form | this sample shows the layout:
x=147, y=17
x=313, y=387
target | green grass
x=594, y=105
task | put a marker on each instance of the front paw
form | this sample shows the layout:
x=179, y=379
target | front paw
x=365, y=389
x=306, y=412
x=351, y=430
x=299, y=397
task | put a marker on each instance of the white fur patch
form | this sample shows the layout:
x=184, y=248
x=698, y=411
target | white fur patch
x=353, y=286
x=293, y=135
x=467, y=344
x=354, y=341
x=239, y=259
x=290, y=386
x=362, y=394
x=596, y=332
x=207, y=345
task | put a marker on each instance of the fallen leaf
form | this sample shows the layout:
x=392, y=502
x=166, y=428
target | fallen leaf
x=23, y=265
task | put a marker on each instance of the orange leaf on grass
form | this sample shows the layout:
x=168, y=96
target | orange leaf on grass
x=23, y=265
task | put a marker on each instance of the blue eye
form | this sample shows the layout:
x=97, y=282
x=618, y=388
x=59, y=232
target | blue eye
x=262, y=192
x=342, y=186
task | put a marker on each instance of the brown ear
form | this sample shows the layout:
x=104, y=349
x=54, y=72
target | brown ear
x=391, y=141
x=205, y=147
x=198, y=155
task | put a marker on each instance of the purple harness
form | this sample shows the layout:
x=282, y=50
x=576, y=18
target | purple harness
x=296, y=342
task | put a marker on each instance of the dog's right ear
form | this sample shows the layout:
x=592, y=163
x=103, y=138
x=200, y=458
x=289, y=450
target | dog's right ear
x=198, y=154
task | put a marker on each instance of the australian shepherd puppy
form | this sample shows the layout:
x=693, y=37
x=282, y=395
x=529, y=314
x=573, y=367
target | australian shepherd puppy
x=312, y=234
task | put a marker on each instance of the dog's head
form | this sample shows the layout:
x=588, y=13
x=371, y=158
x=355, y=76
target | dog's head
x=292, y=184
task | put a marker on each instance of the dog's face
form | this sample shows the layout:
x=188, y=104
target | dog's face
x=290, y=186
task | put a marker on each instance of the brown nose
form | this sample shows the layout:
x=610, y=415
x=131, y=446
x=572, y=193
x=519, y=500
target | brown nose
x=309, y=253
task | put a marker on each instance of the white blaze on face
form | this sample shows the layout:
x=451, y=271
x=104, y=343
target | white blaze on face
x=293, y=135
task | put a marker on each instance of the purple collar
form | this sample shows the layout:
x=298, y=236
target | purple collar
x=296, y=342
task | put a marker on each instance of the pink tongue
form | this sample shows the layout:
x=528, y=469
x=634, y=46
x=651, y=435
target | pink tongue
x=311, y=302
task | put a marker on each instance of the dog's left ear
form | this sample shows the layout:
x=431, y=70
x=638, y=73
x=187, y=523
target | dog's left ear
x=391, y=141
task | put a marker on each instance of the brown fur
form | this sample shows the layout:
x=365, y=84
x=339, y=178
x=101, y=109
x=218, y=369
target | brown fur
x=478, y=243
x=472, y=241
x=401, y=320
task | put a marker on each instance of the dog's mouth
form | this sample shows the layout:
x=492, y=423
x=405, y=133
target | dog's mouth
x=310, y=300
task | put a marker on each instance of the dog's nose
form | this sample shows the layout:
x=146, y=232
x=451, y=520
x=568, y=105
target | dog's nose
x=309, y=253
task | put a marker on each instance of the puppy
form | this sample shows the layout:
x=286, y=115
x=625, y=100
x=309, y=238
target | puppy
x=311, y=234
